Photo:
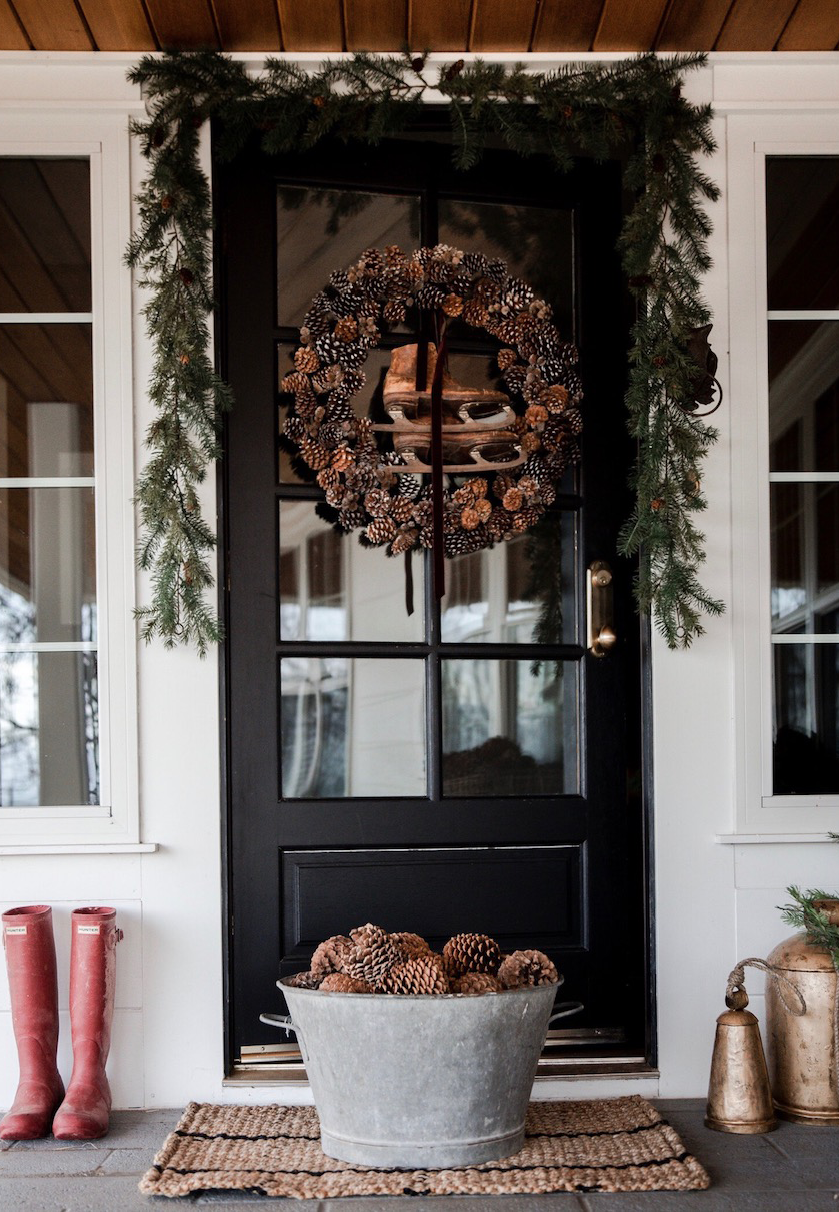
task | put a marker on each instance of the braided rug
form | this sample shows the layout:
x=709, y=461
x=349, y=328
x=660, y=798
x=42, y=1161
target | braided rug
x=620, y=1144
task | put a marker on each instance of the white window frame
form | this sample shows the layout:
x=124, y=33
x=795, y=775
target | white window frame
x=103, y=138
x=751, y=139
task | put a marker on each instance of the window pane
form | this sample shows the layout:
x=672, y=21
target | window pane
x=44, y=235
x=803, y=395
x=352, y=727
x=46, y=400
x=47, y=565
x=320, y=230
x=519, y=235
x=806, y=745
x=520, y=592
x=509, y=728
x=802, y=231
x=49, y=729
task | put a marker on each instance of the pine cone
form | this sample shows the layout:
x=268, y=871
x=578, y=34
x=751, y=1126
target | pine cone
x=404, y=541
x=346, y=329
x=422, y=974
x=410, y=945
x=512, y=500
x=306, y=360
x=477, y=982
x=303, y=980
x=471, y=953
x=339, y=982
x=527, y=968
x=373, y=955
x=314, y=454
x=381, y=530
x=330, y=955
x=573, y=419
x=527, y=517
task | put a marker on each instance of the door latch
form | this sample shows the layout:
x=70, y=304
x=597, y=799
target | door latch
x=601, y=632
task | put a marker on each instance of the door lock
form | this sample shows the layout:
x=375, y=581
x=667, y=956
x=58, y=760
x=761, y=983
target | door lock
x=601, y=632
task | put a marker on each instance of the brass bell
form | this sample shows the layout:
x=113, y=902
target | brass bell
x=739, y=1095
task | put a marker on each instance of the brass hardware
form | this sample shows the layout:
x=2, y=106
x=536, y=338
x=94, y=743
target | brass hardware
x=601, y=632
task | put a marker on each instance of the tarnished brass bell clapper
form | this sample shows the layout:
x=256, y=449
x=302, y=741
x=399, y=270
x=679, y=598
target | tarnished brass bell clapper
x=802, y=1050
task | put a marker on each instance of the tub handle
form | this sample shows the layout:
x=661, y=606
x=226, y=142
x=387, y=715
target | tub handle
x=283, y=1021
x=565, y=1009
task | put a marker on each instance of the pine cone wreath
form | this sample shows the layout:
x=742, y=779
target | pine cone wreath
x=524, y=968
x=410, y=945
x=331, y=955
x=477, y=982
x=422, y=974
x=471, y=953
x=303, y=980
x=372, y=956
x=339, y=982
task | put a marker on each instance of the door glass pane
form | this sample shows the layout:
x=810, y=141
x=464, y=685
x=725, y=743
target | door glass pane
x=46, y=400
x=805, y=552
x=806, y=735
x=332, y=588
x=352, y=727
x=47, y=565
x=321, y=230
x=802, y=231
x=519, y=592
x=509, y=728
x=519, y=235
x=49, y=728
x=44, y=234
x=803, y=395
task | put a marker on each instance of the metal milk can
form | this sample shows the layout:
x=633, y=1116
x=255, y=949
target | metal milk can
x=801, y=1050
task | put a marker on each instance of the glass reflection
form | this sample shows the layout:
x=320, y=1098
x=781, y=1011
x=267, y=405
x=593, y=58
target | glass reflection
x=803, y=395
x=519, y=592
x=352, y=727
x=802, y=231
x=332, y=588
x=509, y=728
x=806, y=741
x=47, y=565
x=321, y=229
x=49, y=729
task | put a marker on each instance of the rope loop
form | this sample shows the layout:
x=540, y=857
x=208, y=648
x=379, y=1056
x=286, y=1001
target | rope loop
x=737, y=977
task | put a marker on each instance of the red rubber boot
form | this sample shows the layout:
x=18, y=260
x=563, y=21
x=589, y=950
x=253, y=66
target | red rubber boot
x=84, y=1113
x=33, y=985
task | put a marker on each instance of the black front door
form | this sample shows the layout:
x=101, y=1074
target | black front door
x=469, y=766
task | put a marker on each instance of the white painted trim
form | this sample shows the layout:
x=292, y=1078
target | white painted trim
x=81, y=848
x=803, y=477
x=804, y=638
x=46, y=317
x=763, y=839
x=48, y=482
x=52, y=646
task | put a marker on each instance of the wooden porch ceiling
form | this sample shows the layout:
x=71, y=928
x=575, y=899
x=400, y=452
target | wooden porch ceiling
x=517, y=26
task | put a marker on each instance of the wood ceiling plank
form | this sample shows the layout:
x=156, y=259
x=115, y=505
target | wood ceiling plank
x=567, y=25
x=754, y=25
x=439, y=25
x=313, y=26
x=814, y=26
x=246, y=25
x=502, y=25
x=53, y=26
x=183, y=24
x=382, y=26
x=629, y=25
x=12, y=36
x=693, y=25
x=119, y=25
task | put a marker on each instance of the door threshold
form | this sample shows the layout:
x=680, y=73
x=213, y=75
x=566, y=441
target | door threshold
x=577, y=1066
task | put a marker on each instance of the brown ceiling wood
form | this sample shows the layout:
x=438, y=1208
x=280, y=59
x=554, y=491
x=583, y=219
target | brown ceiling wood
x=382, y=26
x=54, y=26
x=183, y=26
x=12, y=36
x=247, y=25
x=316, y=25
x=502, y=25
x=813, y=26
x=693, y=24
x=629, y=24
x=565, y=25
x=441, y=24
x=754, y=25
x=118, y=25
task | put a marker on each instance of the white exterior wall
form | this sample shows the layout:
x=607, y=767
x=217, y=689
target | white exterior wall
x=714, y=902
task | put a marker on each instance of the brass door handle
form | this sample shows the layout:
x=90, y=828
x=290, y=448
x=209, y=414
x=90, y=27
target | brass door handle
x=601, y=631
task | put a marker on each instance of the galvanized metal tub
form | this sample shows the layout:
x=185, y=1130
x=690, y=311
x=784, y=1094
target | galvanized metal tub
x=422, y=1082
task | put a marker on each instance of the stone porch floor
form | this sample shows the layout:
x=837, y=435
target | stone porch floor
x=794, y=1169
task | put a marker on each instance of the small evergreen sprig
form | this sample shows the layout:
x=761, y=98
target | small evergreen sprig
x=805, y=915
x=635, y=103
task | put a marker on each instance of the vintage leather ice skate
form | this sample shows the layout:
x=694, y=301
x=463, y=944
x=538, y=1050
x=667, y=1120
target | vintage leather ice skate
x=464, y=408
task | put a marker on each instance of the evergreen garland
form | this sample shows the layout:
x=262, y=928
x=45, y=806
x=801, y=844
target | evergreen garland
x=592, y=109
x=805, y=915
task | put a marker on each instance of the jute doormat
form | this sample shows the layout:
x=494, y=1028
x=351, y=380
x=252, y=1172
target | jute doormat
x=620, y=1144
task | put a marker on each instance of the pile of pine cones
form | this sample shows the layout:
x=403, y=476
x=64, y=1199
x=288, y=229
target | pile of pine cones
x=369, y=960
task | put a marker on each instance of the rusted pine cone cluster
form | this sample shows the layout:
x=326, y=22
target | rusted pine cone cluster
x=371, y=960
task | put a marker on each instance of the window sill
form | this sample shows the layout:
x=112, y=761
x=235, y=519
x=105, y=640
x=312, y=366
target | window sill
x=764, y=839
x=82, y=848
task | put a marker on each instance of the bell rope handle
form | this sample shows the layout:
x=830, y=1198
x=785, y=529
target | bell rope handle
x=737, y=977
